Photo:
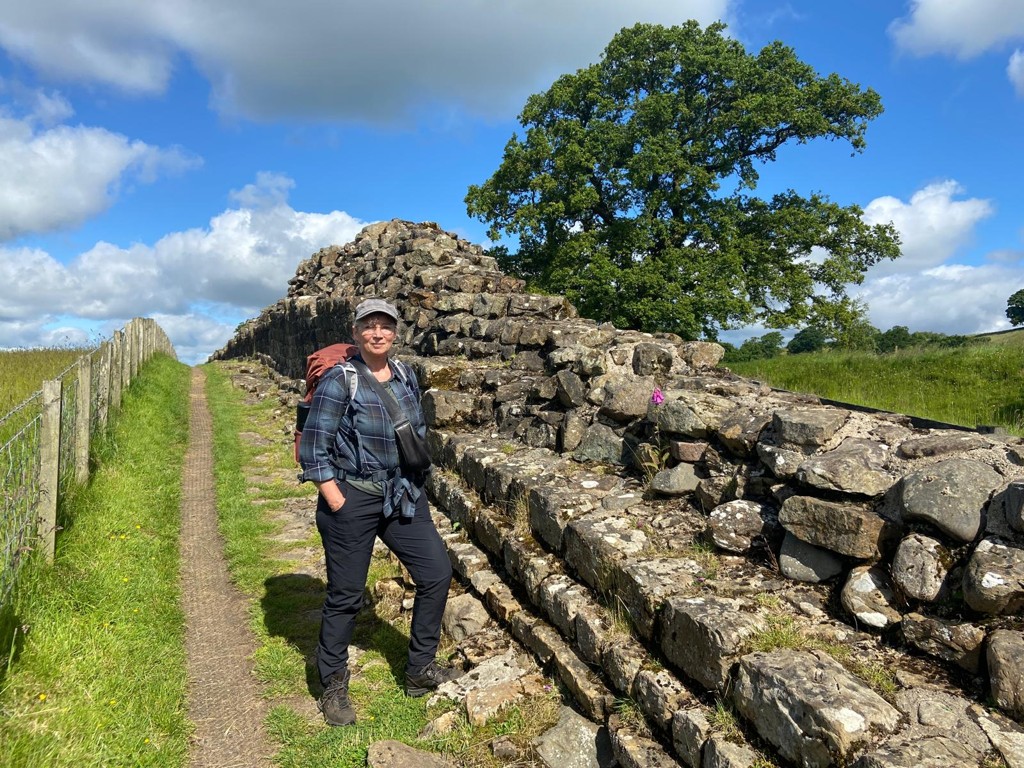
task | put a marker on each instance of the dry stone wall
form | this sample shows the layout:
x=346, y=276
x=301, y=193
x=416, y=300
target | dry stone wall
x=655, y=529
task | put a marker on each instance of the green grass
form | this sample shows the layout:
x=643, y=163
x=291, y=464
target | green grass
x=285, y=615
x=98, y=664
x=22, y=371
x=969, y=386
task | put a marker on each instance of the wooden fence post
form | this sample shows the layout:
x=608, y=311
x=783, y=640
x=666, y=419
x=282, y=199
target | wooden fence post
x=49, y=467
x=136, y=347
x=116, y=372
x=83, y=418
x=103, y=395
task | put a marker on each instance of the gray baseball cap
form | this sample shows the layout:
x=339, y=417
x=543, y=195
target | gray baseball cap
x=373, y=306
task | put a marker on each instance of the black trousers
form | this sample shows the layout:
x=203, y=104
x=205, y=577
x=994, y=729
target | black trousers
x=348, y=536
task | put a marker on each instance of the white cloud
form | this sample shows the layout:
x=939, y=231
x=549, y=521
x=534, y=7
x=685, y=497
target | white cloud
x=195, y=335
x=953, y=299
x=59, y=176
x=933, y=226
x=238, y=264
x=925, y=289
x=1015, y=71
x=345, y=59
x=964, y=28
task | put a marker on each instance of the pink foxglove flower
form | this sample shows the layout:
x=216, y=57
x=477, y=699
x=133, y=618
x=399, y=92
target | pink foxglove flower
x=657, y=397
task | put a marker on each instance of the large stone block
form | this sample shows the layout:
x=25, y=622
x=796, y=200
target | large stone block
x=702, y=636
x=848, y=529
x=951, y=495
x=806, y=704
x=596, y=545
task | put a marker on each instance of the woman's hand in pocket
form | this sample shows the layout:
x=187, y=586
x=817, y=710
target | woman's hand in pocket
x=332, y=494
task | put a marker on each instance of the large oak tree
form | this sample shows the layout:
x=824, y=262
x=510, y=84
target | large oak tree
x=631, y=191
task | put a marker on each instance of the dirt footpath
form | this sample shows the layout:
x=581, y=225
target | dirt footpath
x=223, y=698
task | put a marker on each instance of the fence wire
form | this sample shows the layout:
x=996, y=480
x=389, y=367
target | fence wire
x=19, y=461
x=68, y=433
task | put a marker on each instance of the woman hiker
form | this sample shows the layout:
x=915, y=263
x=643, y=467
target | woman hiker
x=349, y=450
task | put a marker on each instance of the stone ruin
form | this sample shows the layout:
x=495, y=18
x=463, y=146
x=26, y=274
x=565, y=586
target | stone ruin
x=670, y=539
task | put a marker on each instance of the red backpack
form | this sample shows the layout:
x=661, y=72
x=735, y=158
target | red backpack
x=317, y=364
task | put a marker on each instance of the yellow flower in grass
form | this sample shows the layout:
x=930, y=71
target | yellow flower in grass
x=42, y=697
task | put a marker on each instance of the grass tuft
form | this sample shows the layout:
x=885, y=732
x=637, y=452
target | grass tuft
x=98, y=673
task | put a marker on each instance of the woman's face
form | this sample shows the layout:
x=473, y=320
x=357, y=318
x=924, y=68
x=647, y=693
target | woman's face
x=375, y=334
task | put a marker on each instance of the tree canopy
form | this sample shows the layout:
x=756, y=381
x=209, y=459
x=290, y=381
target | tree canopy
x=630, y=192
x=1015, y=308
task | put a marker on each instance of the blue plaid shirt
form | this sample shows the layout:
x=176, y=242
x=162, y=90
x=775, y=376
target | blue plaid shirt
x=358, y=437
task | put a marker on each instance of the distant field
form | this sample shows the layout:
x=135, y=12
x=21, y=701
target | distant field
x=22, y=372
x=970, y=386
x=1014, y=338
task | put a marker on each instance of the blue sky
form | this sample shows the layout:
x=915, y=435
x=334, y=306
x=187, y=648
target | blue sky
x=179, y=158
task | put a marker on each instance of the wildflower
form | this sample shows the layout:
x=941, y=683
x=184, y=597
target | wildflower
x=42, y=697
x=113, y=702
x=125, y=579
x=657, y=396
x=145, y=741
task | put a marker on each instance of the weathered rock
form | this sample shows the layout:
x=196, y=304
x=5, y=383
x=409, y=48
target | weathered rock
x=626, y=399
x=940, y=445
x=634, y=751
x=1006, y=670
x=552, y=507
x=806, y=704
x=690, y=731
x=1014, y=505
x=781, y=462
x=677, y=481
x=700, y=355
x=600, y=443
x=622, y=659
x=395, y=754
x=595, y=544
x=721, y=753
x=920, y=567
x=650, y=359
x=444, y=409
x=805, y=562
x=959, y=643
x=740, y=430
x=703, y=635
x=715, y=490
x=951, y=495
x=848, y=529
x=658, y=694
x=1005, y=735
x=643, y=585
x=807, y=427
x=575, y=742
x=464, y=615
x=994, y=578
x=854, y=467
x=677, y=417
x=689, y=451
x=735, y=525
x=581, y=360
x=867, y=596
x=933, y=751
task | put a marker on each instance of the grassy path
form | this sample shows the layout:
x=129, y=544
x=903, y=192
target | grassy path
x=97, y=671
x=224, y=700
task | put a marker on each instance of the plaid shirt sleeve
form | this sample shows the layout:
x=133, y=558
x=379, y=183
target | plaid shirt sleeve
x=330, y=402
x=356, y=437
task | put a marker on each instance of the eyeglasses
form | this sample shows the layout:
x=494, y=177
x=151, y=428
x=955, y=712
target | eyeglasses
x=385, y=328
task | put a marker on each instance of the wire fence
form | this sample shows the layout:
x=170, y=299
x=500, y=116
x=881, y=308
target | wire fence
x=46, y=441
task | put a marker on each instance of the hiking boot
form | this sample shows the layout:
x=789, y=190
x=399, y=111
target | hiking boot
x=335, y=703
x=428, y=679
